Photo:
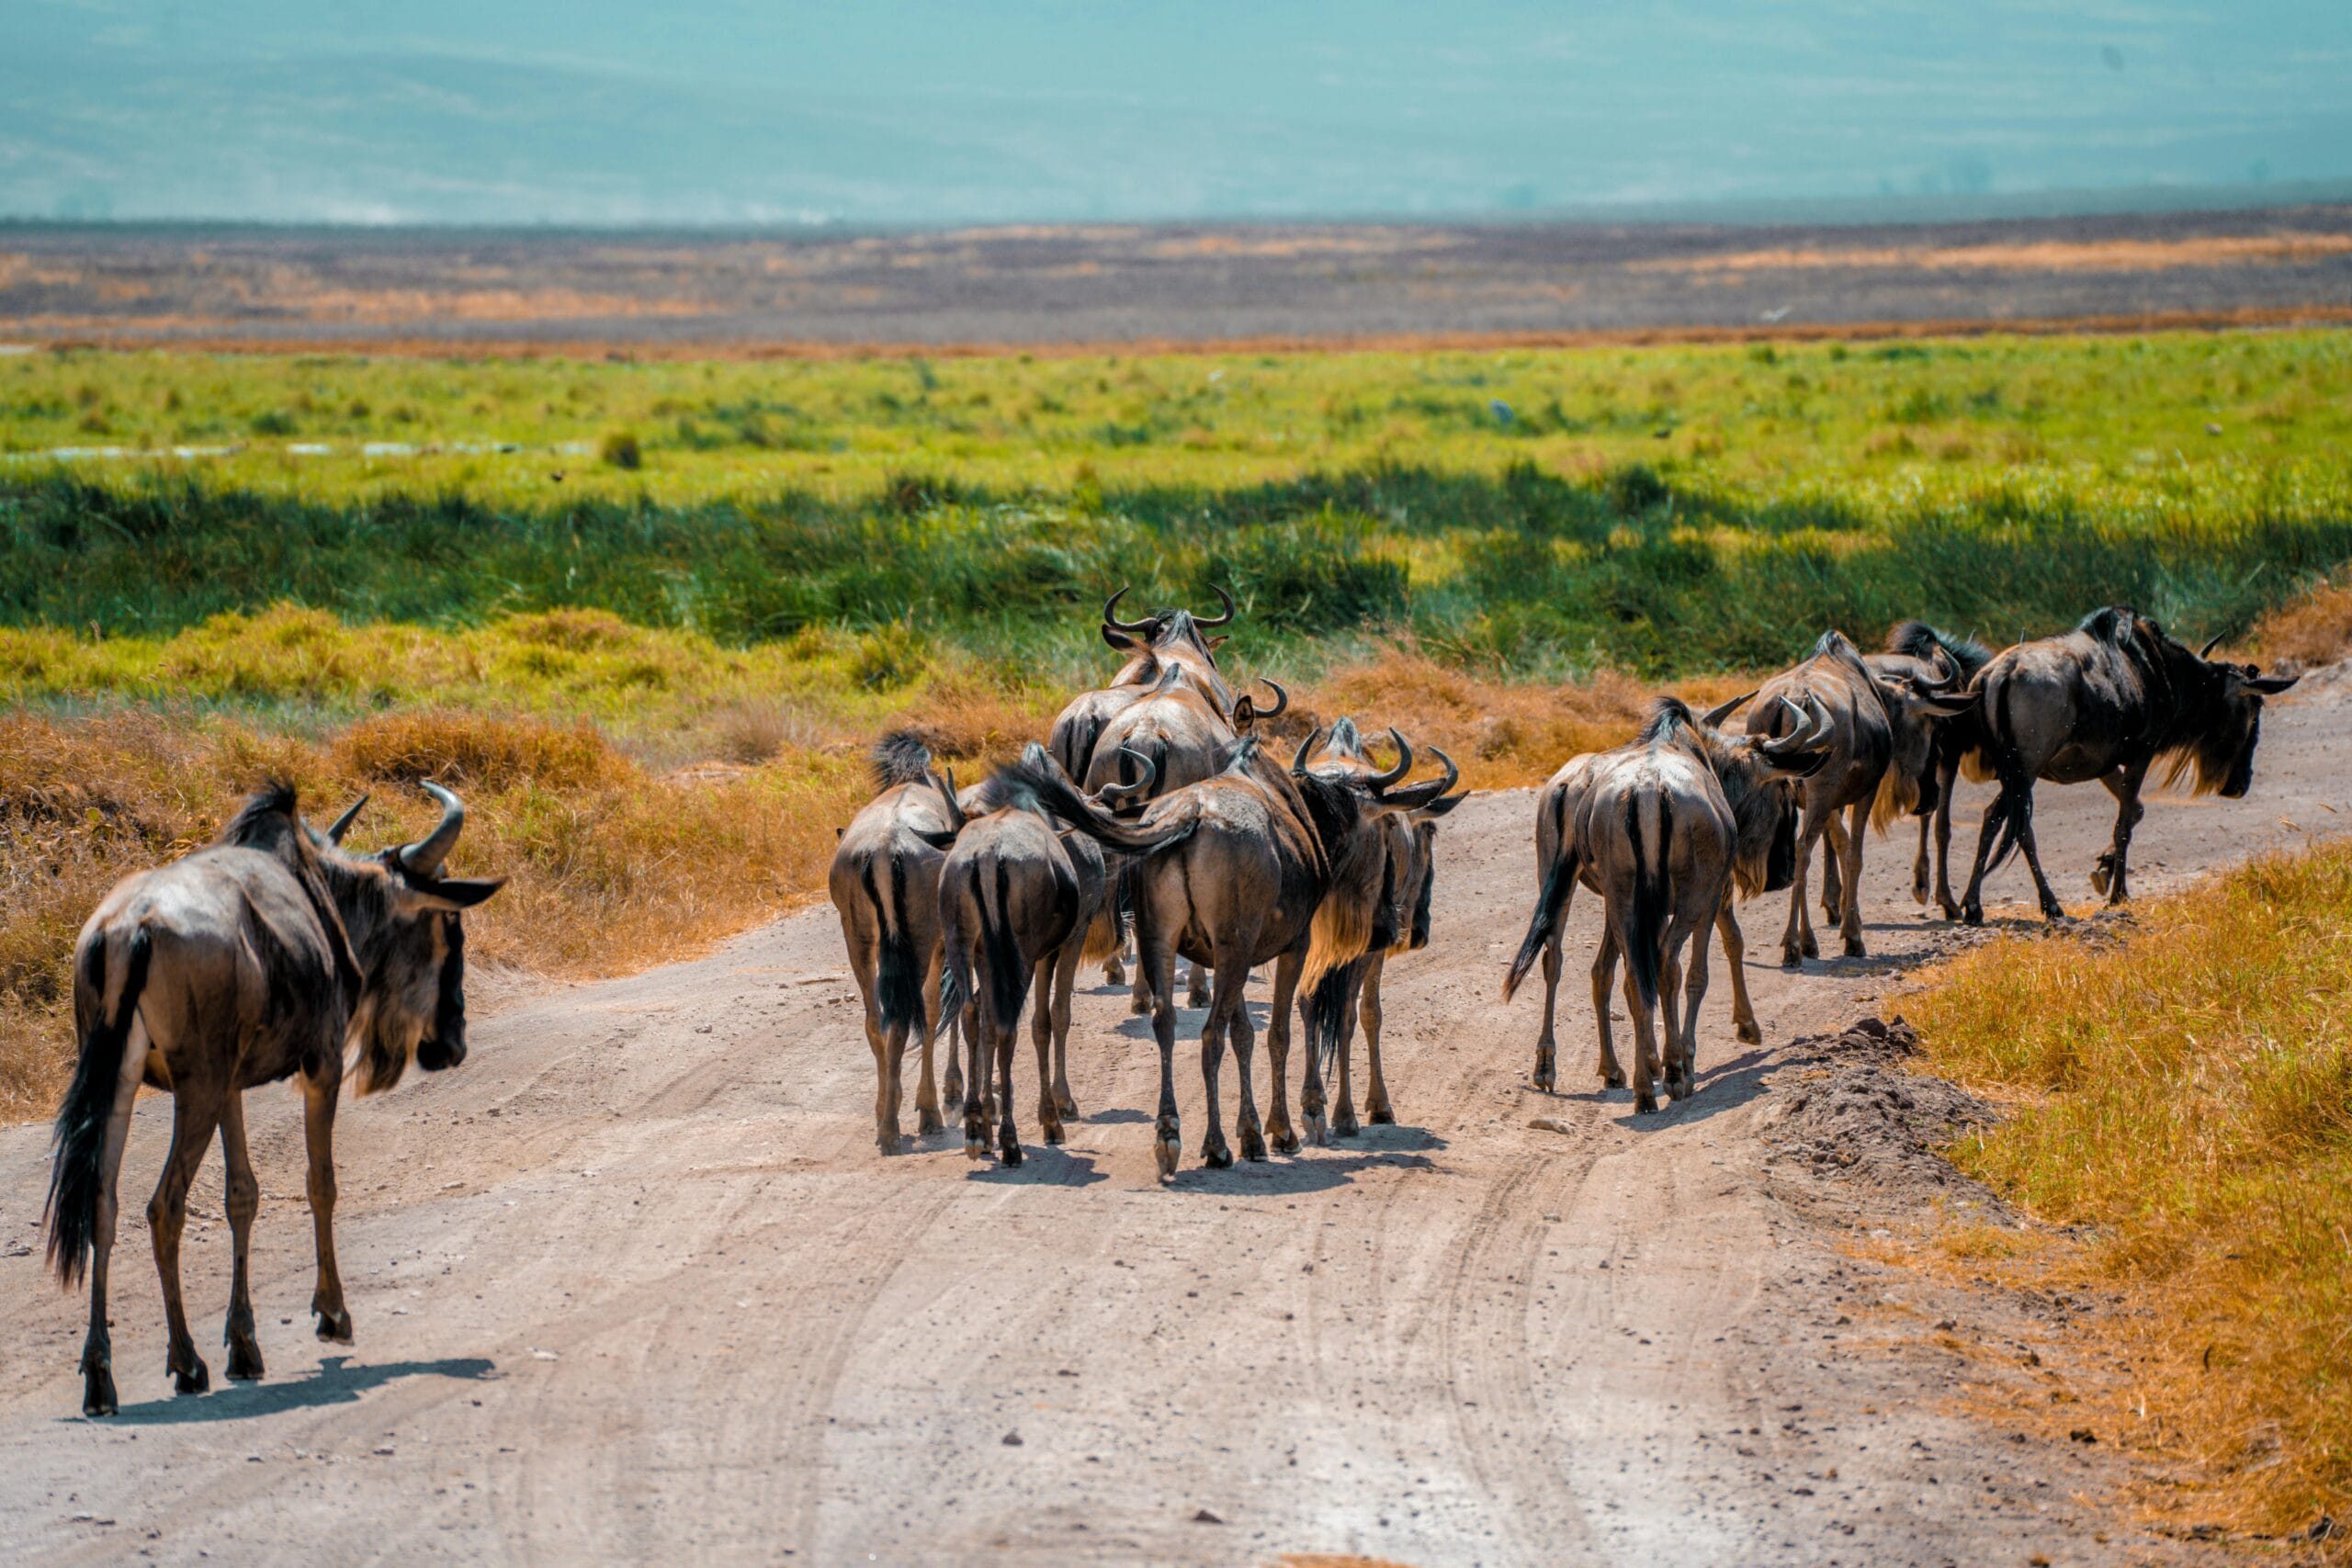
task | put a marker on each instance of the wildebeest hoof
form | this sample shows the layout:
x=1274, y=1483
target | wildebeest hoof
x=1114, y=972
x=1546, y=1078
x=1809, y=946
x=1344, y=1124
x=1138, y=1005
x=334, y=1326
x=928, y=1121
x=1951, y=909
x=1382, y=1116
x=244, y=1362
x=1066, y=1104
x=2103, y=873
x=1316, y=1129
x=1286, y=1141
x=1613, y=1080
x=1253, y=1144
x=193, y=1378
x=98, y=1391
x=976, y=1148
x=1972, y=916
x=1645, y=1105
x=1009, y=1154
x=1214, y=1155
x=1053, y=1131
x=1854, y=948
x=1792, y=958
x=1748, y=1033
x=1167, y=1151
x=889, y=1143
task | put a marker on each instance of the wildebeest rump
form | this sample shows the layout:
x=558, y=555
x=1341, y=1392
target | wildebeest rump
x=263, y=955
x=2108, y=701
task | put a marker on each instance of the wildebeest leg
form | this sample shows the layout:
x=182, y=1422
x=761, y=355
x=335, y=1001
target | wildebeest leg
x=1008, y=1136
x=1231, y=1001
x=1278, y=1127
x=196, y=1108
x=318, y=1137
x=1683, y=1073
x=1548, y=1071
x=1830, y=855
x=1849, y=851
x=1946, y=781
x=1155, y=971
x=2052, y=911
x=1604, y=970
x=1742, y=1011
x=98, y=1345
x=979, y=1069
x=2107, y=876
x=1375, y=1099
x=1196, y=988
x=927, y=1117
x=1646, y=1062
x=1343, y=1109
x=1065, y=984
x=1989, y=834
x=890, y=1047
x=1796, y=941
x=242, y=1200
x=958, y=1038
x=1041, y=1031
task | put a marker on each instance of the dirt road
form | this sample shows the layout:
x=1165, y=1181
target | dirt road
x=633, y=1284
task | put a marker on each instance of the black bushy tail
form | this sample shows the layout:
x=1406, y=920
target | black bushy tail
x=1327, y=1010
x=1008, y=975
x=78, y=1174
x=1559, y=887
x=1652, y=900
x=897, y=974
x=2009, y=804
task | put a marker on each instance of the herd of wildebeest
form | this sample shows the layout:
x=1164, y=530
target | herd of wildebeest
x=1154, y=813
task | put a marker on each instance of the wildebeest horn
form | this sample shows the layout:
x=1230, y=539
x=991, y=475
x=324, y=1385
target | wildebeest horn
x=1115, y=794
x=1948, y=672
x=1216, y=620
x=1714, y=716
x=944, y=780
x=2207, y=651
x=1429, y=789
x=342, y=825
x=1811, y=726
x=1111, y=614
x=1379, y=782
x=423, y=858
x=1298, y=757
x=1281, y=700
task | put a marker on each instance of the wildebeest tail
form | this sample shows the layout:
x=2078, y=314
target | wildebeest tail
x=1326, y=1008
x=1559, y=887
x=955, y=955
x=78, y=1173
x=899, y=757
x=1643, y=933
x=898, y=970
x=1008, y=975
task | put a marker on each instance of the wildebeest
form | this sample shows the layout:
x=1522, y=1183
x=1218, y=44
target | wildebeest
x=1017, y=893
x=2108, y=701
x=1681, y=815
x=1280, y=865
x=884, y=883
x=261, y=957
x=1162, y=638
x=1184, y=730
x=1911, y=651
x=1879, y=734
x=1401, y=924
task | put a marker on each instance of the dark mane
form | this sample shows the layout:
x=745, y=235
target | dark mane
x=267, y=820
x=2114, y=624
x=1668, y=717
x=1921, y=640
x=898, y=758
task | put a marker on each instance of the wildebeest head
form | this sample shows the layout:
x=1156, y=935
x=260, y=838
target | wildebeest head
x=411, y=948
x=1759, y=776
x=1170, y=637
x=2222, y=718
x=1915, y=704
x=1399, y=827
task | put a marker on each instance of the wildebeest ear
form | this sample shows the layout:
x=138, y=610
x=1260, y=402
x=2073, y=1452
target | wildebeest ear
x=1120, y=640
x=455, y=893
x=1218, y=642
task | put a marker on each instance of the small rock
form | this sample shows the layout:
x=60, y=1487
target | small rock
x=20, y=1250
x=1012, y=1439
x=1550, y=1124
x=384, y=1452
x=544, y=1356
x=2212, y=430
x=2083, y=1435
x=1203, y=1516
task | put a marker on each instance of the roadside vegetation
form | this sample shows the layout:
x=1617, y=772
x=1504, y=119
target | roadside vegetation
x=2182, y=1098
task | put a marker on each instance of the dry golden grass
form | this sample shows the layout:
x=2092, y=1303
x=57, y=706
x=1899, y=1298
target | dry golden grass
x=2315, y=628
x=2185, y=1095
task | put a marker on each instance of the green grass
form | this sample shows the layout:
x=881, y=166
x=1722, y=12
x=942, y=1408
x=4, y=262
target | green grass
x=2185, y=1095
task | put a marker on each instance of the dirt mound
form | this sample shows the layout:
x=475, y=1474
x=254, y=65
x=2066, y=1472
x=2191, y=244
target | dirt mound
x=1857, y=1114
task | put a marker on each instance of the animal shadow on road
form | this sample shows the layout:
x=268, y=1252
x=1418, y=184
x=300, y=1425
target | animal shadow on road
x=1727, y=1085
x=1317, y=1171
x=336, y=1382
x=1047, y=1166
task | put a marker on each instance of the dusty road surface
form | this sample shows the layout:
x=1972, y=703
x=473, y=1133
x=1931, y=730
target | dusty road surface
x=634, y=1284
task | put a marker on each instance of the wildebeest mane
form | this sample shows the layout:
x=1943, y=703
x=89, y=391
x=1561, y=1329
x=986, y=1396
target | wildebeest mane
x=899, y=757
x=1668, y=717
x=270, y=822
x=1919, y=640
x=266, y=821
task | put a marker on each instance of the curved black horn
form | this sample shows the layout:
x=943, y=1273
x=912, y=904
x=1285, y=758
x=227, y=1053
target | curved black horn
x=423, y=858
x=1429, y=789
x=1281, y=700
x=1115, y=794
x=1714, y=716
x=342, y=825
x=1111, y=614
x=1216, y=620
x=2207, y=651
x=1298, y=757
x=1808, y=727
x=1379, y=782
x=1949, y=670
x=944, y=780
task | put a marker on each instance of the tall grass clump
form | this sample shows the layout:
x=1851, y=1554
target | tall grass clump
x=2186, y=1094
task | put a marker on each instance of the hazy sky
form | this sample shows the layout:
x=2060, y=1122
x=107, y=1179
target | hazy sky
x=700, y=112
